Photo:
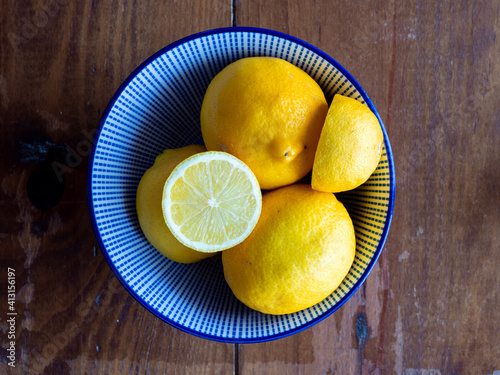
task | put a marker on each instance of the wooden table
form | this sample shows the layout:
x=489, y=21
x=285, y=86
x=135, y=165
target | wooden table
x=432, y=302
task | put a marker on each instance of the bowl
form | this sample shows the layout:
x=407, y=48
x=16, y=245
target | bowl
x=158, y=107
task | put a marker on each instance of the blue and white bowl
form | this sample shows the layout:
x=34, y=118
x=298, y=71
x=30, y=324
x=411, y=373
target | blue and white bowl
x=158, y=107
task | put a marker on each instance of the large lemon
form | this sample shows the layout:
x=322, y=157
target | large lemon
x=149, y=205
x=349, y=148
x=269, y=114
x=300, y=251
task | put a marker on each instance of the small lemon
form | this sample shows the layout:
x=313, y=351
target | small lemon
x=149, y=205
x=349, y=148
x=268, y=113
x=300, y=251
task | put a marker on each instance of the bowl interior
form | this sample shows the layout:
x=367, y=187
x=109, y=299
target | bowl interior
x=158, y=107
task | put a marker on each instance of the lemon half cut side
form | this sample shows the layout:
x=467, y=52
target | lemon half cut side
x=211, y=201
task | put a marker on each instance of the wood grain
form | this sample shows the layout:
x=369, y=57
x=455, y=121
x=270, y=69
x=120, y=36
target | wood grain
x=61, y=62
x=430, y=305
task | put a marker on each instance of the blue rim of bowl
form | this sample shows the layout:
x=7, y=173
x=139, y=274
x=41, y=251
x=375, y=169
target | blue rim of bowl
x=392, y=178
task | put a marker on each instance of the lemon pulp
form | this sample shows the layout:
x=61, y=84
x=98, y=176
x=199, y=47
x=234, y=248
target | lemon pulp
x=211, y=201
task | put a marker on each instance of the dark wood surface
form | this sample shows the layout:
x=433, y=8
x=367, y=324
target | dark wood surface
x=432, y=303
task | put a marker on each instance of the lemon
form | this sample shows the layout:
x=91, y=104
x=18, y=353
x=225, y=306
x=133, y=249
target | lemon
x=211, y=201
x=149, y=206
x=349, y=148
x=268, y=113
x=300, y=251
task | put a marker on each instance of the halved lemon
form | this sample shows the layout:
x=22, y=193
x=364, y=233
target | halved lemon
x=211, y=201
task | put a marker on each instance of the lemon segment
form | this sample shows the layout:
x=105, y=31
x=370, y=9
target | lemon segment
x=349, y=148
x=211, y=201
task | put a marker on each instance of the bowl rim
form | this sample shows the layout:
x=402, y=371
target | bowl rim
x=392, y=179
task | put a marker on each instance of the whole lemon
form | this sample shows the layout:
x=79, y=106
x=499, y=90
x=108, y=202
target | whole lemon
x=349, y=148
x=269, y=114
x=149, y=205
x=300, y=251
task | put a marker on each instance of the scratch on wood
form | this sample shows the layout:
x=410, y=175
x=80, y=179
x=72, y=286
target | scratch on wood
x=404, y=255
x=362, y=333
x=53, y=122
x=26, y=293
x=421, y=371
x=35, y=151
x=398, y=344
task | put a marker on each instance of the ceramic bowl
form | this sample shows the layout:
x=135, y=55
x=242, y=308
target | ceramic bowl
x=158, y=107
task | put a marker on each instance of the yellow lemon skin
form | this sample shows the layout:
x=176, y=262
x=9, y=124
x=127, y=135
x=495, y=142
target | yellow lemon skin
x=300, y=251
x=349, y=148
x=269, y=114
x=149, y=206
